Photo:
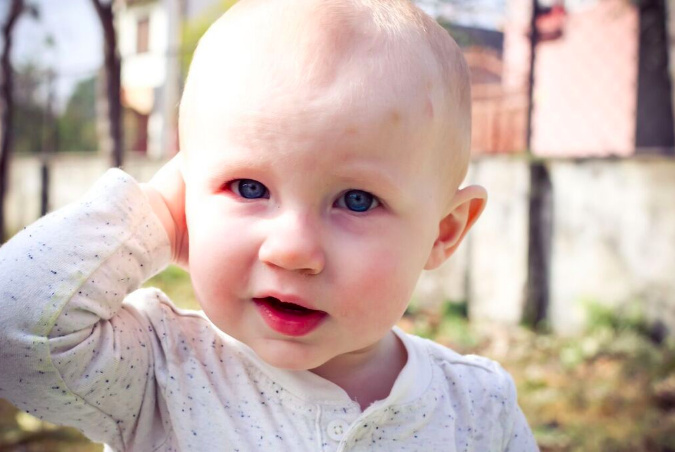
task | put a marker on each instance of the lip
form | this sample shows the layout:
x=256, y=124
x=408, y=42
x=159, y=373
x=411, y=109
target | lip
x=288, y=321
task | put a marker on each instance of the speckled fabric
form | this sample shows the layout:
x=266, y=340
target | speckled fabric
x=81, y=345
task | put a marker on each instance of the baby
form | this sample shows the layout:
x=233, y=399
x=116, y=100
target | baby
x=322, y=147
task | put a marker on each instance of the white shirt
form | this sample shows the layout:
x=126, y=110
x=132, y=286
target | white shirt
x=81, y=345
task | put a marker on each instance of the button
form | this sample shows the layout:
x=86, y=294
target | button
x=336, y=429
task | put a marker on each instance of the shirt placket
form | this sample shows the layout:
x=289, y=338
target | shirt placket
x=334, y=424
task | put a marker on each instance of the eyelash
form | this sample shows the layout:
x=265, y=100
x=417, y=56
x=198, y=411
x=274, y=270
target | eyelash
x=360, y=197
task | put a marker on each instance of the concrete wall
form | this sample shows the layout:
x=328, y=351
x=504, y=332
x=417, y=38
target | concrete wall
x=613, y=234
x=497, y=273
x=71, y=175
x=613, y=239
x=613, y=242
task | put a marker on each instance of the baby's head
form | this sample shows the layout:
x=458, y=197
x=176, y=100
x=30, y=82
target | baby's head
x=324, y=144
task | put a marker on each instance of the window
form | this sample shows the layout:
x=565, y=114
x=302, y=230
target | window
x=142, y=34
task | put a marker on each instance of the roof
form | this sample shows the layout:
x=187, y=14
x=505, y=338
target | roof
x=475, y=37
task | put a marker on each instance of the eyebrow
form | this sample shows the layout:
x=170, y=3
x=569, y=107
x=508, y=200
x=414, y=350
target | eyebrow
x=359, y=175
x=220, y=168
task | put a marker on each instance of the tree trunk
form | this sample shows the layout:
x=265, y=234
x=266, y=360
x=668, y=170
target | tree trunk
x=535, y=311
x=6, y=105
x=654, y=132
x=112, y=65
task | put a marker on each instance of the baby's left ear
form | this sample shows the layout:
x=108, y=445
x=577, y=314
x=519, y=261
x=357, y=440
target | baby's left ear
x=467, y=206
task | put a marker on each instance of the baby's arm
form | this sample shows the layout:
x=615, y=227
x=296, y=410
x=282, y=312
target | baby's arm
x=69, y=351
x=520, y=437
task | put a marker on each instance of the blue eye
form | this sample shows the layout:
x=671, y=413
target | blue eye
x=249, y=189
x=358, y=201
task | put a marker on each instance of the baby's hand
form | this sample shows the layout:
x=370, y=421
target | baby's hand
x=166, y=192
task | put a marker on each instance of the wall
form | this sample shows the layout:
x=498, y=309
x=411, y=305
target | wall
x=613, y=233
x=151, y=80
x=71, y=175
x=614, y=237
x=586, y=83
x=613, y=242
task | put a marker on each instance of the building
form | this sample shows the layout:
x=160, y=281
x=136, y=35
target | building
x=601, y=77
x=149, y=40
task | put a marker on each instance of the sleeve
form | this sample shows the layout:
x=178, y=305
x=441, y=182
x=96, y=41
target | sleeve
x=519, y=437
x=70, y=351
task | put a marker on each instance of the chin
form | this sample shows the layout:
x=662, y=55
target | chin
x=286, y=356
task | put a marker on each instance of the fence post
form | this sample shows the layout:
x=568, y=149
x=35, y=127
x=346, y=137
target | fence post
x=540, y=208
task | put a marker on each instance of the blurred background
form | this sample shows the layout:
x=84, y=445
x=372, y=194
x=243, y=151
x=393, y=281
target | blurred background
x=569, y=277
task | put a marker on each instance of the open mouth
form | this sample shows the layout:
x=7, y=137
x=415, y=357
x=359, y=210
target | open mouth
x=288, y=318
x=291, y=308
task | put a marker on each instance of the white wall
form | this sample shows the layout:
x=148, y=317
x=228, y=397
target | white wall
x=613, y=242
x=614, y=238
x=71, y=175
x=146, y=69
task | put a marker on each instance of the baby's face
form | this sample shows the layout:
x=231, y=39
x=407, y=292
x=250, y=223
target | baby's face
x=310, y=217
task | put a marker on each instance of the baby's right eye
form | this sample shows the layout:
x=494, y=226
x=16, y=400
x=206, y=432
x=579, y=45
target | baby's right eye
x=249, y=189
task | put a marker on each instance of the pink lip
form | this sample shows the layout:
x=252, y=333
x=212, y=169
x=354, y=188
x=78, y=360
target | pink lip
x=288, y=321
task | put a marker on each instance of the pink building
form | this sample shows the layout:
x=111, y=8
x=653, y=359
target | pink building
x=600, y=86
x=586, y=77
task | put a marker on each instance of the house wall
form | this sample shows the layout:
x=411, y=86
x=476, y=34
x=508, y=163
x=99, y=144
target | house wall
x=585, y=87
x=586, y=84
x=517, y=45
x=154, y=74
x=500, y=111
x=145, y=70
x=613, y=234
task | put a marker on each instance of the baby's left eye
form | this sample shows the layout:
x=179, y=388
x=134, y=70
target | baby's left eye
x=357, y=201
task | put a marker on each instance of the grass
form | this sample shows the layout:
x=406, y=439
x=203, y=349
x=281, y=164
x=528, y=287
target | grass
x=611, y=389
x=175, y=282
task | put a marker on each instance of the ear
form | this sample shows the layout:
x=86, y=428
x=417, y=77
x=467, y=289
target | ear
x=466, y=207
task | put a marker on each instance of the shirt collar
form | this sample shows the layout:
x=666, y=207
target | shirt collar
x=414, y=379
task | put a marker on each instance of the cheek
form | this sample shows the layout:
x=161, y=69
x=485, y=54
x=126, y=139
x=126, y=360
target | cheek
x=379, y=282
x=220, y=256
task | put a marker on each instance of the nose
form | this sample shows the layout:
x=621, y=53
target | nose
x=293, y=243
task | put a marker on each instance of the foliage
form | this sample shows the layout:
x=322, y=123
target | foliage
x=29, y=110
x=175, y=282
x=21, y=432
x=448, y=325
x=77, y=125
x=612, y=388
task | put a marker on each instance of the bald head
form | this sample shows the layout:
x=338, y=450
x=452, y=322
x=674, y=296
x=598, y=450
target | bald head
x=263, y=56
